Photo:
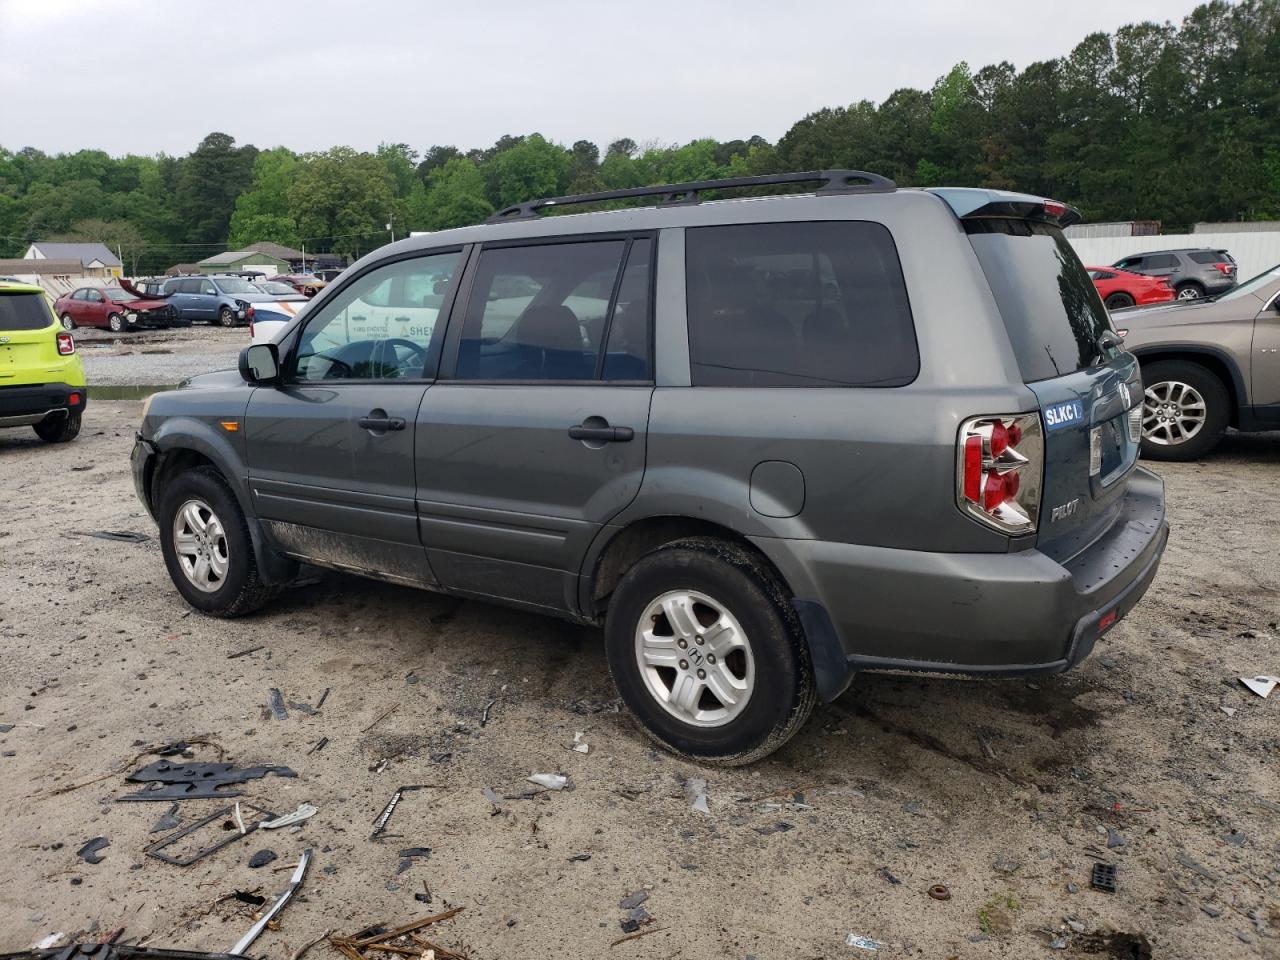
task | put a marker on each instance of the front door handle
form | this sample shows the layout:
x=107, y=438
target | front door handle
x=602, y=434
x=378, y=420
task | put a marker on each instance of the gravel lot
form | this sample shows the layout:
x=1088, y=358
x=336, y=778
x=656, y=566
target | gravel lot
x=158, y=356
x=1150, y=755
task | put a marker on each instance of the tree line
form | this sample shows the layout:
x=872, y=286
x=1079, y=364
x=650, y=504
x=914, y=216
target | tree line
x=1176, y=123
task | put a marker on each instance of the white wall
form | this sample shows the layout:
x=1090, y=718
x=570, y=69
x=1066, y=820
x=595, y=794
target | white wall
x=1254, y=252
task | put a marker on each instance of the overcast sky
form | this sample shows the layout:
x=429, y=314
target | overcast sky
x=145, y=76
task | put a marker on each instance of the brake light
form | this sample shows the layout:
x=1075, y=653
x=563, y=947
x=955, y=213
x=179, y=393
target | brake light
x=249, y=313
x=1000, y=463
x=1225, y=269
x=73, y=400
x=66, y=345
x=1054, y=208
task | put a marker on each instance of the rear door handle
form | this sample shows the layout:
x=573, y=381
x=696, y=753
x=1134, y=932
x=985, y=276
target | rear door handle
x=602, y=434
x=381, y=423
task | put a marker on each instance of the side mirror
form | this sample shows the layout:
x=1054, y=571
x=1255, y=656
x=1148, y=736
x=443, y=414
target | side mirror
x=260, y=363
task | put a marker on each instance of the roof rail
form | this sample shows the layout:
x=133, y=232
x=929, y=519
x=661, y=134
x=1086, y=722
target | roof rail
x=833, y=182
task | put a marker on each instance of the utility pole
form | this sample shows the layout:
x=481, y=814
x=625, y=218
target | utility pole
x=391, y=227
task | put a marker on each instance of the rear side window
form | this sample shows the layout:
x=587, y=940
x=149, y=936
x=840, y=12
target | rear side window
x=23, y=311
x=1163, y=261
x=798, y=305
x=1050, y=308
x=1211, y=256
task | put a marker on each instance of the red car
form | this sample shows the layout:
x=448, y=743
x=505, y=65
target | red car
x=1120, y=288
x=110, y=307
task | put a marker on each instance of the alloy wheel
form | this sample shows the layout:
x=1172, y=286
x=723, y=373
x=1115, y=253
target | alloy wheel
x=695, y=659
x=1188, y=293
x=200, y=543
x=1172, y=413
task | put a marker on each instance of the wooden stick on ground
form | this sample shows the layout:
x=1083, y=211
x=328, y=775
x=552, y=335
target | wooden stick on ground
x=637, y=934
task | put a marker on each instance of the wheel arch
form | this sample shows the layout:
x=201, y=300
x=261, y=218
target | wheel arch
x=1212, y=359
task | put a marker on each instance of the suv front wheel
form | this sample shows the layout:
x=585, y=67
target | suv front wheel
x=1184, y=410
x=206, y=545
x=708, y=654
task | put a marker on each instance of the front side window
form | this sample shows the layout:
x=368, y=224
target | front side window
x=206, y=287
x=94, y=296
x=798, y=305
x=382, y=326
x=543, y=312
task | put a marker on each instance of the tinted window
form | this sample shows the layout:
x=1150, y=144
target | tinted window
x=1208, y=256
x=23, y=311
x=1050, y=308
x=627, y=355
x=381, y=327
x=539, y=312
x=1130, y=263
x=798, y=304
x=1163, y=261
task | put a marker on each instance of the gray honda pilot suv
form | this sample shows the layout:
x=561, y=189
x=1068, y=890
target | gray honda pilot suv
x=765, y=443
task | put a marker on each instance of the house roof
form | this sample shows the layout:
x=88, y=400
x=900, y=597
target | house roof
x=277, y=250
x=85, y=253
x=178, y=269
x=235, y=256
x=18, y=267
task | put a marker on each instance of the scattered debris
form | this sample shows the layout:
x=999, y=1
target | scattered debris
x=1229, y=711
x=578, y=744
x=634, y=934
x=1004, y=865
x=410, y=852
x=1196, y=868
x=50, y=941
x=304, y=811
x=195, y=781
x=380, y=824
x=250, y=898
x=492, y=796
x=235, y=813
x=862, y=943
x=579, y=858
x=294, y=883
x=157, y=849
x=169, y=821
x=1114, y=840
x=320, y=745
x=1262, y=685
x=1103, y=877
x=633, y=900
x=276, y=702
x=695, y=791
x=939, y=892
x=121, y=536
x=986, y=747
x=245, y=653
x=380, y=940
x=262, y=858
x=302, y=950
x=382, y=716
x=552, y=781
x=780, y=827
x=89, y=852
x=884, y=874
x=323, y=697
x=487, y=707
x=1058, y=943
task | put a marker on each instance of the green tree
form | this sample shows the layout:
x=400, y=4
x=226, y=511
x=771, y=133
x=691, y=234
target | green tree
x=344, y=199
x=208, y=183
x=455, y=196
x=530, y=169
x=263, y=212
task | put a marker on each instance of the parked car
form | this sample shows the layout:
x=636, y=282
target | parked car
x=1120, y=289
x=1208, y=365
x=304, y=283
x=41, y=380
x=268, y=319
x=1193, y=273
x=763, y=443
x=115, y=308
x=224, y=300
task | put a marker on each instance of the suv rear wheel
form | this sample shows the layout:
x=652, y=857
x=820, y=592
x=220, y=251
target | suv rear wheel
x=206, y=545
x=1184, y=410
x=1189, y=291
x=708, y=654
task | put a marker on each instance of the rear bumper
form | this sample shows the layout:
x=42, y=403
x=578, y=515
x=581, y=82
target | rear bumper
x=20, y=406
x=875, y=608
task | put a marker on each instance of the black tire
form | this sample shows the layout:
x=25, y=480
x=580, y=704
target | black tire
x=1217, y=408
x=1188, y=291
x=59, y=427
x=116, y=323
x=242, y=590
x=784, y=693
x=227, y=317
x=1119, y=301
x=67, y=322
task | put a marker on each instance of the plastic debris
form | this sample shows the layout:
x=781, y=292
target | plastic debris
x=492, y=795
x=552, y=781
x=50, y=941
x=1103, y=877
x=578, y=744
x=194, y=781
x=89, y=852
x=169, y=821
x=304, y=811
x=224, y=836
x=1058, y=943
x=276, y=702
x=380, y=824
x=1262, y=685
x=695, y=791
x=633, y=900
x=780, y=827
x=294, y=883
x=1229, y=711
x=861, y=942
x=262, y=858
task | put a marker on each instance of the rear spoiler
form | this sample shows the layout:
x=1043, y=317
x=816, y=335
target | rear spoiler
x=970, y=204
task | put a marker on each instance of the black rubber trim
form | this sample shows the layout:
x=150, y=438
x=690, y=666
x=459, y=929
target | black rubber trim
x=832, y=670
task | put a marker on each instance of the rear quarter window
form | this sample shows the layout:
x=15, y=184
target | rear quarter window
x=798, y=305
x=24, y=311
x=1050, y=308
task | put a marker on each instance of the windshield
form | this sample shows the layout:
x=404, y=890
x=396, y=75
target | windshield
x=118, y=295
x=1254, y=285
x=236, y=286
x=277, y=289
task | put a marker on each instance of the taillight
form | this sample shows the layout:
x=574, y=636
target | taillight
x=66, y=345
x=249, y=313
x=1000, y=461
x=1225, y=269
x=1054, y=208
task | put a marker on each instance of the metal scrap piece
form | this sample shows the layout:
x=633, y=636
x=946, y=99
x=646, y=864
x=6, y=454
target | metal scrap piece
x=380, y=824
x=232, y=836
x=294, y=883
x=170, y=821
x=276, y=702
x=195, y=781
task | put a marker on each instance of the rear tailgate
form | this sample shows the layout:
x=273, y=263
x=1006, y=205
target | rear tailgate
x=1089, y=390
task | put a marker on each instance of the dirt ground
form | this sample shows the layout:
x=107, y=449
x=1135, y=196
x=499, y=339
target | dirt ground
x=1007, y=792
